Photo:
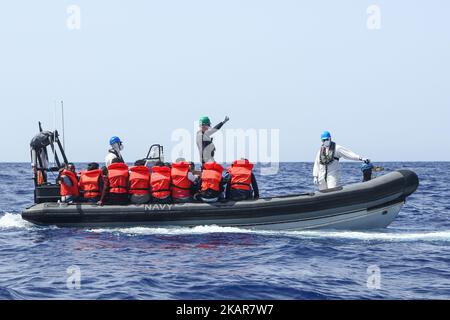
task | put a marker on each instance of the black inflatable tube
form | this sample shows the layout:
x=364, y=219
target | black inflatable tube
x=389, y=189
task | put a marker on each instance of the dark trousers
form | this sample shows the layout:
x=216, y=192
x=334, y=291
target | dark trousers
x=167, y=200
x=91, y=200
x=239, y=195
x=119, y=199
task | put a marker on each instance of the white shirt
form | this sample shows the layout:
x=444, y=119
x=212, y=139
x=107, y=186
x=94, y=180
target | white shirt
x=206, y=136
x=109, y=159
x=191, y=177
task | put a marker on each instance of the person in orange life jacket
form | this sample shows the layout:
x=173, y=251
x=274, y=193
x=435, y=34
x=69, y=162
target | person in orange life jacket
x=183, y=181
x=211, y=183
x=160, y=181
x=241, y=182
x=91, y=183
x=196, y=174
x=68, y=182
x=140, y=183
x=115, y=191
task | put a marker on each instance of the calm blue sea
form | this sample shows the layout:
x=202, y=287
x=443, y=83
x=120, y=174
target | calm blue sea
x=411, y=259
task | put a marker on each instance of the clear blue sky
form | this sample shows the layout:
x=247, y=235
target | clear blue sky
x=140, y=69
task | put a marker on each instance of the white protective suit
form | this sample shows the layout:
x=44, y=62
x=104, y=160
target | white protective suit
x=329, y=175
x=113, y=154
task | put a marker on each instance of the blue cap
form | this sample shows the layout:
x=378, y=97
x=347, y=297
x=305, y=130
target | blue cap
x=114, y=140
x=326, y=135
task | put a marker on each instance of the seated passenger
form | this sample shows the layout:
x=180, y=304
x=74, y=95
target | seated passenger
x=183, y=181
x=115, y=191
x=196, y=174
x=140, y=183
x=211, y=183
x=242, y=182
x=160, y=182
x=91, y=183
x=68, y=181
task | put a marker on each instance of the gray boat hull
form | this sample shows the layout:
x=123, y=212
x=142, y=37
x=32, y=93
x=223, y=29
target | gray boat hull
x=370, y=205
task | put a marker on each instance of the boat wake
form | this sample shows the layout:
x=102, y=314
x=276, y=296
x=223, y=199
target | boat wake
x=15, y=221
x=388, y=235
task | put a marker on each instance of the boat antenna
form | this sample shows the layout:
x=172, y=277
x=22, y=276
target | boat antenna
x=54, y=133
x=63, y=127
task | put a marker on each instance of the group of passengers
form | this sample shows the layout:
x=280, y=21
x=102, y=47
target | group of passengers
x=179, y=182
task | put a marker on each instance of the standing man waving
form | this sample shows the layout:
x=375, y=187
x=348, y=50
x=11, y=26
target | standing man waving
x=205, y=143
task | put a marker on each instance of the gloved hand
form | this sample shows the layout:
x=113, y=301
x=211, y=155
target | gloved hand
x=365, y=160
x=316, y=181
x=226, y=119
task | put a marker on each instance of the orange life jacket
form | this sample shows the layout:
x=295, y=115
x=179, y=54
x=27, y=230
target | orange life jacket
x=241, y=175
x=89, y=183
x=140, y=180
x=181, y=185
x=211, y=176
x=66, y=190
x=40, y=178
x=160, y=182
x=118, y=178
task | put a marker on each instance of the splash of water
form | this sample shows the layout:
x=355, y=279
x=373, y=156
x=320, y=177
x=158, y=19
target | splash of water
x=14, y=221
x=171, y=231
x=389, y=235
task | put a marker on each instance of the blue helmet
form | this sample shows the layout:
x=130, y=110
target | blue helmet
x=114, y=140
x=326, y=135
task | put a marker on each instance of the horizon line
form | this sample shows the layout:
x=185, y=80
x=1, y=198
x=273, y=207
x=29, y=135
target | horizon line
x=288, y=161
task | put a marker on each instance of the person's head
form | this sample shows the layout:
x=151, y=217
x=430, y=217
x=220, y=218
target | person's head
x=116, y=160
x=140, y=163
x=241, y=161
x=70, y=166
x=116, y=143
x=93, y=166
x=326, y=138
x=205, y=123
x=192, y=166
x=159, y=164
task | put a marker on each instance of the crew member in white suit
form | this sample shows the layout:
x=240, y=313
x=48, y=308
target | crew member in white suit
x=327, y=169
